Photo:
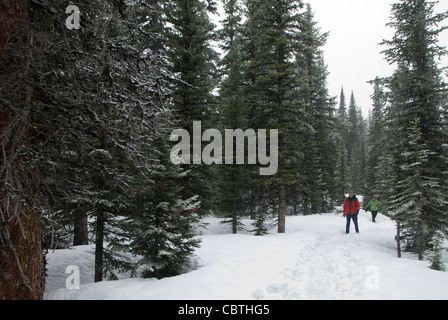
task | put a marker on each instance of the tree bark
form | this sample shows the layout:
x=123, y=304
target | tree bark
x=398, y=239
x=81, y=233
x=282, y=210
x=234, y=218
x=22, y=265
x=99, y=245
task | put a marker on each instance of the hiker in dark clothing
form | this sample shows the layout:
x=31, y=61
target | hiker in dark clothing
x=351, y=211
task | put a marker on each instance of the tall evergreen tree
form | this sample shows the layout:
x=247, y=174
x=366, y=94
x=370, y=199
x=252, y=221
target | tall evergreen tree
x=418, y=96
x=193, y=61
x=342, y=111
x=233, y=180
x=354, y=142
x=160, y=228
x=376, y=138
x=319, y=149
x=100, y=103
x=272, y=29
x=341, y=172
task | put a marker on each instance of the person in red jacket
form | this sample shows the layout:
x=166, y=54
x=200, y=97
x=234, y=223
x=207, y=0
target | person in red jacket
x=351, y=211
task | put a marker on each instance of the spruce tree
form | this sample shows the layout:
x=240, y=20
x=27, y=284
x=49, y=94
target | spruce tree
x=376, y=142
x=193, y=62
x=341, y=172
x=418, y=95
x=342, y=111
x=233, y=179
x=319, y=149
x=158, y=224
x=160, y=227
x=271, y=29
x=100, y=101
x=354, y=142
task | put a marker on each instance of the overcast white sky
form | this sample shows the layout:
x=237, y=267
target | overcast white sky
x=352, y=52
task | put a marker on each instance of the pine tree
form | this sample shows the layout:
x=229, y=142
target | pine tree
x=319, y=149
x=354, y=141
x=158, y=221
x=233, y=184
x=341, y=172
x=160, y=227
x=342, y=111
x=189, y=34
x=418, y=94
x=417, y=217
x=376, y=137
x=192, y=57
x=271, y=29
x=386, y=170
x=100, y=104
x=260, y=225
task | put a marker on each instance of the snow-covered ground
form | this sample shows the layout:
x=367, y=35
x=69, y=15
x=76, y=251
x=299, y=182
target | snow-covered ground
x=315, y=259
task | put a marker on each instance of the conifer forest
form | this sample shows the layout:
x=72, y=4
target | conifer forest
x=96, y=95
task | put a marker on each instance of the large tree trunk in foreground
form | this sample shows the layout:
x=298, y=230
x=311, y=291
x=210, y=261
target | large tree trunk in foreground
x=21, y=260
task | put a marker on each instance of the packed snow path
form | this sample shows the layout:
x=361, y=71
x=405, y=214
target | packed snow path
x=326, y=268
x=315, y=259
x=322, y=271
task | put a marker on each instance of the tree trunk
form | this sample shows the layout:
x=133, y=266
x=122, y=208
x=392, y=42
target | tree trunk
x=282, y=210
x=234, y=218
x=22, y=265
x=253, y=212
x=81, y=234
x=398, y=239
x=99, y=245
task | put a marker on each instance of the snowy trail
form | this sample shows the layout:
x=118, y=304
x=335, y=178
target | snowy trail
x=322, y=272
x=332, y=265
x=325, y=269
x=315, y=259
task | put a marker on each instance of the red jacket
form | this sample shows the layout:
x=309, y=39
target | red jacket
x=351, y=206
